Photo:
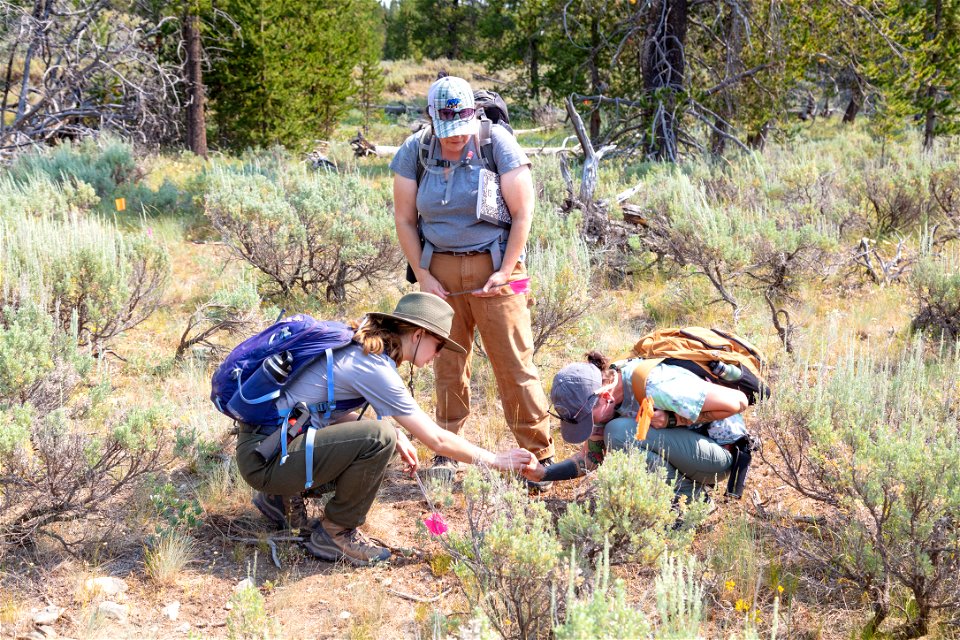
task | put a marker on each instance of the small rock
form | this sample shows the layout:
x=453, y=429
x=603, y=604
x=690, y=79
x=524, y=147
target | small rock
x=48, y=615
x=184, y=628
x=108, y=586
x=246, y=583
x=344, y=615
x=172, y=611
x=228, y=606
x=47, y=631
x=113, y=611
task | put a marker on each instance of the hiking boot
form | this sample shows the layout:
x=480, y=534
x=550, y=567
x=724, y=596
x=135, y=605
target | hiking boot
x=331, y=542
x=443, y=469
x=284, y=513
x=542, y=485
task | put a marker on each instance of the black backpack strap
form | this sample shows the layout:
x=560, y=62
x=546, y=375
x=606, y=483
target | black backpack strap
x=424, y=145
x=485, y=141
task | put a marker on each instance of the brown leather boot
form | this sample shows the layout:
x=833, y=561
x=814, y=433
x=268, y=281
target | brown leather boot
x=331, y=542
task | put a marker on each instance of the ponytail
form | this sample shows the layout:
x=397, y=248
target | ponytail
x=601, y=362
x=381, y=335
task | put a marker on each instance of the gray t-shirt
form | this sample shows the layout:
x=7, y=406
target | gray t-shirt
x=372, y=377
x=453, y=225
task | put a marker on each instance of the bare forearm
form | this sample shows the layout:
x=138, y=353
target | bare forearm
x=453, y=446
x=705, y=416
x=518, y=193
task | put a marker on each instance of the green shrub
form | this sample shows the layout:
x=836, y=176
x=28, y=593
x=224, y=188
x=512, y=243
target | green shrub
x=604, y=612
x=15, y=424
x=90, y=175
x=633, y=508
x=679, y=597
x=37, y=196
x=508, y=560
x=313, y=232
x=102, y=167
x=39, y=363
x=233, y=311
x=560, y=279
x=84, y=272
x=874, y=441
x=936, y=285
x=64, y=472
x=248, y=618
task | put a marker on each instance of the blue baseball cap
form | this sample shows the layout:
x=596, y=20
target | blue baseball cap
x=455, y=93
x=574, y=394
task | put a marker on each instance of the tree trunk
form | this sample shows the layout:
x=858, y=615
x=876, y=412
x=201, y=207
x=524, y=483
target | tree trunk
x=856, y=102
x=40, y=15
x=663, y=73
x=758, y=139
x=534, y=69
x=930, y=115
x=453, y=32
x=733, y=66
x=718, y=141
x=595, y=78
x=196, y=120
x=929, y=122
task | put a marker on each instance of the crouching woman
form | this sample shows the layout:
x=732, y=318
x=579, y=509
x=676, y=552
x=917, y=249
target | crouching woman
x=693, y=424
x=354, y=453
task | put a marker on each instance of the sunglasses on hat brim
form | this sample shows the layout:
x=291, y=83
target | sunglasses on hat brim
x=576, y=416
x=450, y=114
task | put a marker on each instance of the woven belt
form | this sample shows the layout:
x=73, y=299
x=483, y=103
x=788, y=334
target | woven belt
x=243, y=427
x=461, y=253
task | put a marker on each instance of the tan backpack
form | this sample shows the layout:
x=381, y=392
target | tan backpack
x=708, y=353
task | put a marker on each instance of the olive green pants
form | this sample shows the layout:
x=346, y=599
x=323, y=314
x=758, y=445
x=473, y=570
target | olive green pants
x=354, y=455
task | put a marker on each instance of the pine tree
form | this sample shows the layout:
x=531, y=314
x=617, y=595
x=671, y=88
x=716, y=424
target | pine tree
x=288, y=78
x=923, y=80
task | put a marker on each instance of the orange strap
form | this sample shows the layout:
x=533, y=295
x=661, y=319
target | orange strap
x=638, y=378
x=638, y=382
x=644, y=415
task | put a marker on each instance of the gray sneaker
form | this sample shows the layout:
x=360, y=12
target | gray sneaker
x=333, y=543
x=443, y=469
x=283, y=512
x=543, y=485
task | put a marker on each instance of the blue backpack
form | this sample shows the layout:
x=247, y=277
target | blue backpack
x=248, y=383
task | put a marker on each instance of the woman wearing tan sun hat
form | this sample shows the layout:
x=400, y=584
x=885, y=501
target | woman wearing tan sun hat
x=354, y=453
x=436, y=184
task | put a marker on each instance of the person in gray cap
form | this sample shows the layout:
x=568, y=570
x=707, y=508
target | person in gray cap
x=463, y=257
x=595, y=403
x=353, y=453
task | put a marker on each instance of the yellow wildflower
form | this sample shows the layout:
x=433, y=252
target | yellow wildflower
x=729, y=585
x=742, y=606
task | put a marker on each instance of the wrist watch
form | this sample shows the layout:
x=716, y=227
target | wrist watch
x=671, y=419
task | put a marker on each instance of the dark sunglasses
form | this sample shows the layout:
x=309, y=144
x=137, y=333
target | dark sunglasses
x=576, y=416
x=450, y=114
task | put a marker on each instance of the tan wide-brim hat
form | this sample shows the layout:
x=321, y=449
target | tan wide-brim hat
x=426, y=311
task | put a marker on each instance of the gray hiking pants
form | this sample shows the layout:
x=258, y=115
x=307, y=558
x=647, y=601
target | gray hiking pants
x=691, y=460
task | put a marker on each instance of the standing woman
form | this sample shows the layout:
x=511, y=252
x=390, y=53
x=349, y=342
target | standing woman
x=461, y=253
x=354, y=453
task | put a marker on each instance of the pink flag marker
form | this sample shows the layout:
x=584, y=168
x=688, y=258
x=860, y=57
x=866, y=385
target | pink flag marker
x=435, y=524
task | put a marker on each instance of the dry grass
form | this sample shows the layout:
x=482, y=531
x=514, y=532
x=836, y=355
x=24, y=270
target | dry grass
x=418, y=76
x=168, y=557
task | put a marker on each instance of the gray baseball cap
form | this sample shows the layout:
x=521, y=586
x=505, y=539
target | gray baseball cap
x=574, y=394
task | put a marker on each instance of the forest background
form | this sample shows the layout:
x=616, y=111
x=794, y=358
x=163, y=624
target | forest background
x=788, y=170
